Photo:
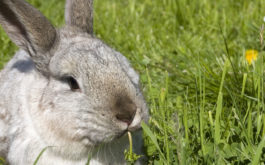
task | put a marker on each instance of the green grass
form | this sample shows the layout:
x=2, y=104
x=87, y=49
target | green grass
x=206, y=102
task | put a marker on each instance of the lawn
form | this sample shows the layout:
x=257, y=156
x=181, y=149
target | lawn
x=206, y=99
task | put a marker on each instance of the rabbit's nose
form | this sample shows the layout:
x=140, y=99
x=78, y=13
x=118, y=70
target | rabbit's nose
x=125, y=110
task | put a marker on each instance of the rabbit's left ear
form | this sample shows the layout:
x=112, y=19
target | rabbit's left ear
x=79, y=14
x=29, y=30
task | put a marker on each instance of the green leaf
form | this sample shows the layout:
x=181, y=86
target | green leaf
x=256, y=156
x=153, y=138
x=2, y=161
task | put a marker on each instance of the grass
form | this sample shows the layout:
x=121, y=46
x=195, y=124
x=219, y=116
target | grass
x=206, y=102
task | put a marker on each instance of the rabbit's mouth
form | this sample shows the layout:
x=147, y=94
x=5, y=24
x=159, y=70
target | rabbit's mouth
x=124, y=133
x=121, y=134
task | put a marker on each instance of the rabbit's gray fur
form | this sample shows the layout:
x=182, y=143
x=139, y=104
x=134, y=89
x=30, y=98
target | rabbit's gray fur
x=38, y=108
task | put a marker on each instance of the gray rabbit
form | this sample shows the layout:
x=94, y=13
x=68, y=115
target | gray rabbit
x=65, y=91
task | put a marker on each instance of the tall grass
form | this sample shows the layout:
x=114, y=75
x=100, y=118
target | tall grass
x=206, y=102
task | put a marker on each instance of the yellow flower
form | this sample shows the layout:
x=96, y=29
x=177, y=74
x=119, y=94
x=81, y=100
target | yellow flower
x=251, y=55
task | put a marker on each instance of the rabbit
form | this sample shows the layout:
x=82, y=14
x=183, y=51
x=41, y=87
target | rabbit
x=65, y=92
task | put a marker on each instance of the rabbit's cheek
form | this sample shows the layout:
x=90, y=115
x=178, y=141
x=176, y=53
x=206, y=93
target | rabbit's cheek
x=62, y=130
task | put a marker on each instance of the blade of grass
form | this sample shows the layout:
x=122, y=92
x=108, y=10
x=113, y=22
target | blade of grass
x=153, y=139
x=202, y=104
x=249, y=125
x=217, y=119
x=219, y=106
x=244, y=84
x=258, y=153
x=185, y=117
x=40, y=154
x=2, y=161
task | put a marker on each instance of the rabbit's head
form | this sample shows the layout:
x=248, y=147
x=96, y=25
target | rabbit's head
x=87, y=93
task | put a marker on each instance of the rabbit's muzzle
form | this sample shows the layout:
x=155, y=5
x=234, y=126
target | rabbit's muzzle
x=125, y=110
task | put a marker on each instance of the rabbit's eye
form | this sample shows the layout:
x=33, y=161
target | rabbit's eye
x=72, y=83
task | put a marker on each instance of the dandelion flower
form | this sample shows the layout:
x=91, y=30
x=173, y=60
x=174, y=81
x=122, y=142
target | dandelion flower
x=251, y=55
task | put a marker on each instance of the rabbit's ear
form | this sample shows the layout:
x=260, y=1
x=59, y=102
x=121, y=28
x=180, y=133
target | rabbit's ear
x=27, y=28
x=79, y=14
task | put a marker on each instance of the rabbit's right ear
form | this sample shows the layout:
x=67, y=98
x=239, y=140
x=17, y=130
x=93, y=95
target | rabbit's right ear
x=28, y=29
x=79, y=14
